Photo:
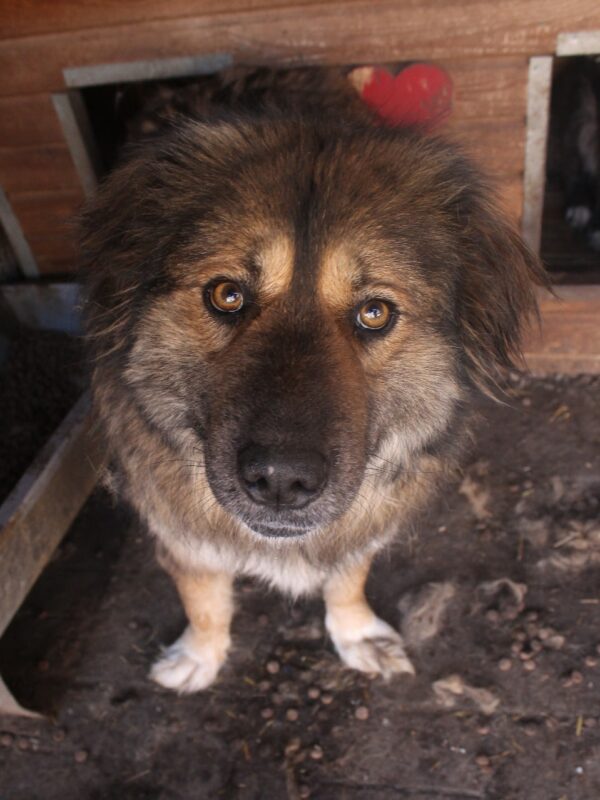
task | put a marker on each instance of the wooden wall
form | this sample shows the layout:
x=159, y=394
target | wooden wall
x=485, y=45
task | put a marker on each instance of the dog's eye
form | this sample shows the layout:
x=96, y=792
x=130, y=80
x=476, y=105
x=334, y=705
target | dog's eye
x=374, y=315
x=226, y=296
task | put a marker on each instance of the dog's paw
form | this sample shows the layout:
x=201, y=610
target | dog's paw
x=375, y=648
x=188, y=666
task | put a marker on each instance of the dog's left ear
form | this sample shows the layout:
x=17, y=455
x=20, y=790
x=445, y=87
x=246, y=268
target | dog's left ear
x=496, y=296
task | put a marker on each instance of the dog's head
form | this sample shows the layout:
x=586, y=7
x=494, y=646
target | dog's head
x=298, y=303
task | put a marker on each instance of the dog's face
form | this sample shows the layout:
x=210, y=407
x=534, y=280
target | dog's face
x=298, y=305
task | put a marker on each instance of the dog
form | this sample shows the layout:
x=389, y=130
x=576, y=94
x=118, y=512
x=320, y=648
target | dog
x=288, y=313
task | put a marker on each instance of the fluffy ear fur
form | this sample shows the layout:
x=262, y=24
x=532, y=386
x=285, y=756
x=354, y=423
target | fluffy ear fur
x=496, y=293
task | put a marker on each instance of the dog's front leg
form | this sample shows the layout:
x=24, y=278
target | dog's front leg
x=193, y=661
x=363, y=641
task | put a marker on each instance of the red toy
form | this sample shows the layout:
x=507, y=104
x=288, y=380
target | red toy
x=419, y=94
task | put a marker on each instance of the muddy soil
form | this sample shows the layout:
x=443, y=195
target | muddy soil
x=500, y=598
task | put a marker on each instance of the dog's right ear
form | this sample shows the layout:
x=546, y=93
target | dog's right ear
x=116, y=254
x=496, y=297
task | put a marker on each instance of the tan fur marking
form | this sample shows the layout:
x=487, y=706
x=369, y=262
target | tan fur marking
x=344, y=595
x=208, y=602
x=338, y=275
x=277, y=264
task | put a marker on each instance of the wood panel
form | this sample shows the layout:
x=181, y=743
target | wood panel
x=59, y=248
x=28, y=121
x=62, y=266
x=335, y=32
x=509, y=192
x=488, y=88
x=498, y=147
x=47, y=168
x=29, y=17
x=483, y=89
x=48, y=223
x=569, y=341
x=47, y=213
x=37, y=514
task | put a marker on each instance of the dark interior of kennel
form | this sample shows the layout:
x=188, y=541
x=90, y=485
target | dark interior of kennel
x=568, y=256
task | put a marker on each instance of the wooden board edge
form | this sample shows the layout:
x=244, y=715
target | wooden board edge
x=38, y=512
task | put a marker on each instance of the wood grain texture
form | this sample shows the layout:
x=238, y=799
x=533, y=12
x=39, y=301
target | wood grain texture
x=60, y=265
x=498, y=147
x=30, y=17
x=488, y=88
x=54, y=253
x=47, y=168
x=47, y=222
x=569, y=340
x=47, y=213
x=484, y=89
x=28, y=121
x=335, y=32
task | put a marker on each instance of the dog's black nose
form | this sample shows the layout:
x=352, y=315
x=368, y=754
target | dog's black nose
x=289, y=477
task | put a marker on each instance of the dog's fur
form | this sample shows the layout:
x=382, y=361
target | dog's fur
x=312, y=217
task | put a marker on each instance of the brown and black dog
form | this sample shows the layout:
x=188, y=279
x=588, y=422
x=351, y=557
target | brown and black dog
x=288, y=312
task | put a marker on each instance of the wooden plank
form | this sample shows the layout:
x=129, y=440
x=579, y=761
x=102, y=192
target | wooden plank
x=509, y=191
x=58, y=264
x=48, y=222
x=569, y=340
x=80, y=138
x=37, y=514
x=499, y=148
x=538, y=115
x=150, y=69
x=28, y=121
x=488, y=88
x=47, y=168
x=47, y=213
x=579, y=43
x=54, y=254
x=14, y=234
x=334, y=32
x=59, y=249
x=28, y=17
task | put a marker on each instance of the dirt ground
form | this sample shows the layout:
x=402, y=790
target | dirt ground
x=500, y=598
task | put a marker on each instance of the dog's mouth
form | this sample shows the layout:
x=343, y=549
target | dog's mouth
x=280, y=530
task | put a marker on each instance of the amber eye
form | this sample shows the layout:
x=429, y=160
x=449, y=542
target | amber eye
x=226, y=296
x=374, y=315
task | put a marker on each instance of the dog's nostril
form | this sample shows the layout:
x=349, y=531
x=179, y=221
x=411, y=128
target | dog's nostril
x=293, y=477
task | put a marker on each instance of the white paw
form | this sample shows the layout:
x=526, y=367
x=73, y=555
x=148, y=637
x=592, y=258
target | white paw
x=376, y=648
x=578, y=216
x=188, y=666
